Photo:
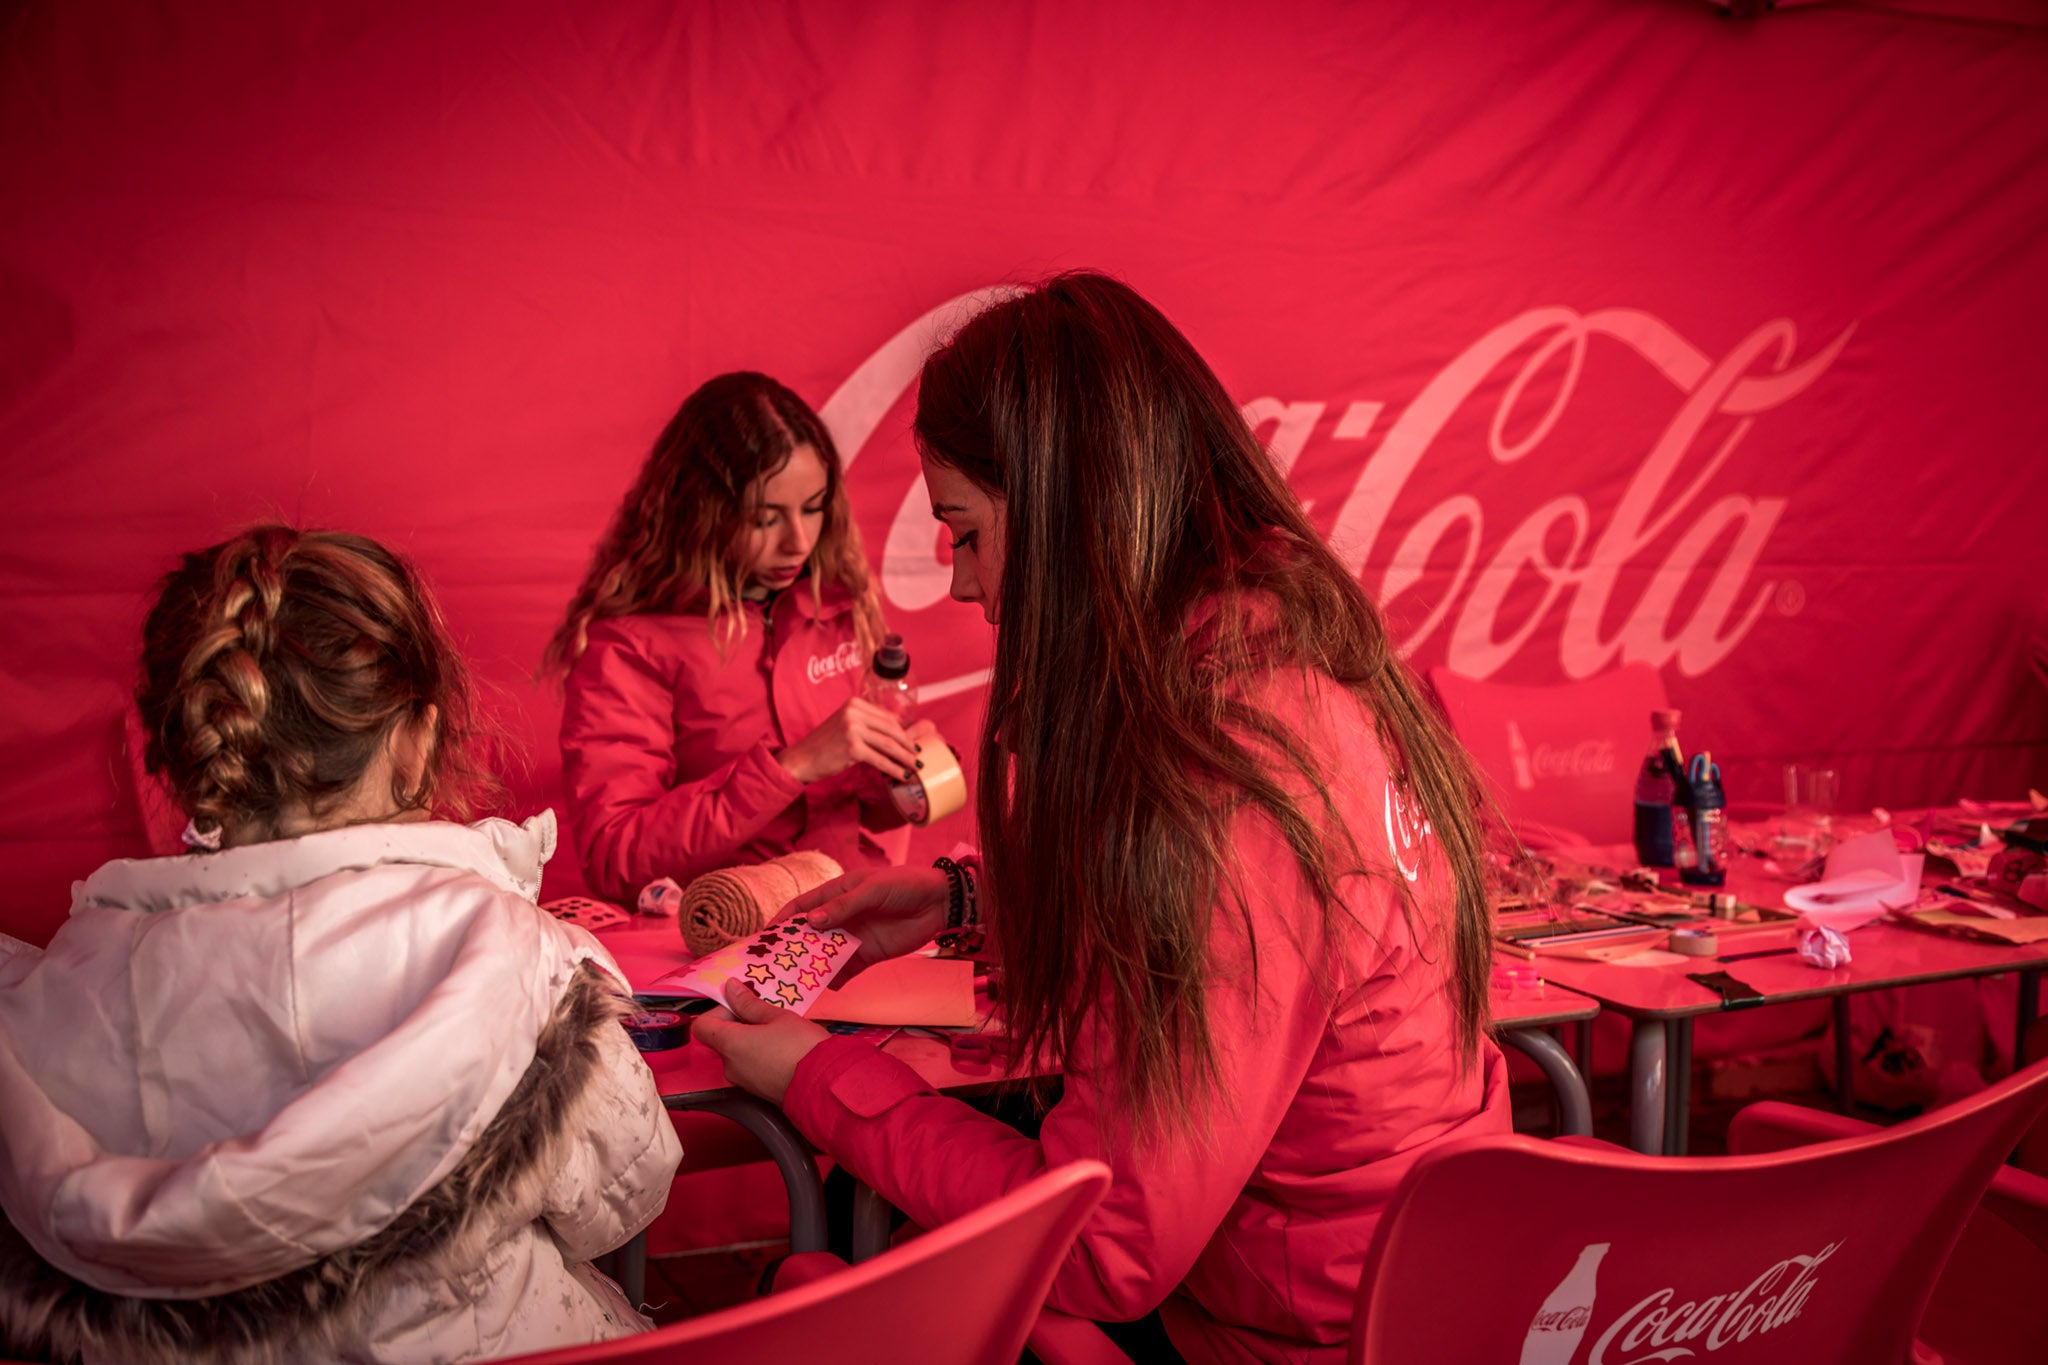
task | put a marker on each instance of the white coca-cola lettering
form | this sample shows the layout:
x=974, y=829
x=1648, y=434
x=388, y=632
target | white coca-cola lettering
x=1406, y=829
x=1578, y=560
x=1765, y=1304
x=844, y=659
x=1589, y=573
x=1588, y=758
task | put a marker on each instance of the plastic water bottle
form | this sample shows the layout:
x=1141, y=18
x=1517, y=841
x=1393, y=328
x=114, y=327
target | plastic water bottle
x=1654, y=794
x=1709, y=825
x=889, y=687
x=1555, y=1331
x=888, y=683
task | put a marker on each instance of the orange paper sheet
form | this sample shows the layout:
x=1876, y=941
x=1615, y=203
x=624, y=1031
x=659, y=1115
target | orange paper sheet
x=936, y=992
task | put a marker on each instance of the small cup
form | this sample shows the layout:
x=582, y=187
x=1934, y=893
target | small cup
x=1808, y=822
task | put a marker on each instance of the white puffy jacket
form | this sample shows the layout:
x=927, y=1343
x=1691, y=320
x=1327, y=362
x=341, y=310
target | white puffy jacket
x=349, y=1097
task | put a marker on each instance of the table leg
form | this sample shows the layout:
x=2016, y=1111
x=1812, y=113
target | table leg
x=870, y=1223
x=2030, y=1006
x=1678, y=1089
x=792, y=1158
x=1646, y=1063
x=1574, y=1103
x=1845, y=1089
x=1583, y=1045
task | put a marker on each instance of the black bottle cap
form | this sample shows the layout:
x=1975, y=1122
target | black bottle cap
x=891, y=660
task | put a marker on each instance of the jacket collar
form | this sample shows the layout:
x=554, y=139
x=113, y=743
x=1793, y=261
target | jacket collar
x=507, y=855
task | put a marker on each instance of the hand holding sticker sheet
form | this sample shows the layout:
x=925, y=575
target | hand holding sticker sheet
x=785, y=964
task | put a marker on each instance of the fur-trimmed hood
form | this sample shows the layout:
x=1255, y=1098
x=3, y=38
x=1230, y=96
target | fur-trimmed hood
x=238, y=1088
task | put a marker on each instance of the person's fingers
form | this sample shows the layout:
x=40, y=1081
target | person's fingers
x=818, y=896
x=712, y=1029
x=897, y=762
x=746, y=1006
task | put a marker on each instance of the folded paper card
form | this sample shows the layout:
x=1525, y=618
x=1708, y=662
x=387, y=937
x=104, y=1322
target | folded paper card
x=785, y=964
x=1864, y=878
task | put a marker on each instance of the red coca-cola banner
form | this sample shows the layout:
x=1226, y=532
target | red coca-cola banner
x=1592, y=333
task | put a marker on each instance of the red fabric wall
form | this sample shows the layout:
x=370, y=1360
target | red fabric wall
x=1594, y=331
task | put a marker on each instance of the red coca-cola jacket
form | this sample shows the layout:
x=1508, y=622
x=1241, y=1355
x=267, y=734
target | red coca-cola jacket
x=669, y=740
x=1337, y=1069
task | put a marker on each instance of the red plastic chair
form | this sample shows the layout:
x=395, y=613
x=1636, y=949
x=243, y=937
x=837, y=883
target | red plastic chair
x=1561, y=758
x=962, y=1294
x=1988, y=1307
x=1825, y=1253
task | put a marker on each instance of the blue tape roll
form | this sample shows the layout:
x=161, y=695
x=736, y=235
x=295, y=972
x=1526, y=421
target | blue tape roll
x=657, y=1030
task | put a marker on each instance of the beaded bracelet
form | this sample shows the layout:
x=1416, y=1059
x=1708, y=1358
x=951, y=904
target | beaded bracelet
x=962, y=933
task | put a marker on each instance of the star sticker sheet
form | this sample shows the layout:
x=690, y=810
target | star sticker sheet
x=785, y=964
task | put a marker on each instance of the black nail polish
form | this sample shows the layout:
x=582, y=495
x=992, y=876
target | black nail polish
x=920, y=763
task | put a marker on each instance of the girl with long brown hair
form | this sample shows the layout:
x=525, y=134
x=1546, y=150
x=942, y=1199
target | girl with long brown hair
x=714, y=655
x=1230, y=861
x=330, y=1086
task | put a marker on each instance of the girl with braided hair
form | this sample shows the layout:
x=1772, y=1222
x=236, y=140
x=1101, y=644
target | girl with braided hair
x=714, y=654
x=330, y=1086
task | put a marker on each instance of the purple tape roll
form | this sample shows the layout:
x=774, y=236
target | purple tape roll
x=657, y=1030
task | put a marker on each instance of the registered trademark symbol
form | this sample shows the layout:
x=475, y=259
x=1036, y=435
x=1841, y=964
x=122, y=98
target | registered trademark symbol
x=1791, y=597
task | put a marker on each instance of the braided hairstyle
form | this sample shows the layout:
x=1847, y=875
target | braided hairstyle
x=275, y=665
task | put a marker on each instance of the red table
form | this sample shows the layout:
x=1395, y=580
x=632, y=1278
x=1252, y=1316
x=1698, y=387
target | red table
x=1661, y=1003
x=692, y=1079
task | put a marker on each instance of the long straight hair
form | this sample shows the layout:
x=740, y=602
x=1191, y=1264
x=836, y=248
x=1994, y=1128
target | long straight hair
x=1137, y=499
x=673, y=543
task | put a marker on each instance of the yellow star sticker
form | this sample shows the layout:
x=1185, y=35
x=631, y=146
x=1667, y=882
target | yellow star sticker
x=759, y=972
x=789, y=993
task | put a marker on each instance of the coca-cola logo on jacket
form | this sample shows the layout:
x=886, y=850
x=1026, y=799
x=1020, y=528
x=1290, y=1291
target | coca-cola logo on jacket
x=1625, y=583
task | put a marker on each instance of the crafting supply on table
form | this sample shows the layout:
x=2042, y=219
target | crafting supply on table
x=585, y=913
x=1824, y=947
x=1694, y=942
x=726, y=906
x=657, y=1030
x=661, y=897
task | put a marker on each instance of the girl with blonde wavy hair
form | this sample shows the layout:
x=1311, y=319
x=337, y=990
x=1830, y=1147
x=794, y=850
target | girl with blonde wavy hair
x=714, y=653
x=329, y=1086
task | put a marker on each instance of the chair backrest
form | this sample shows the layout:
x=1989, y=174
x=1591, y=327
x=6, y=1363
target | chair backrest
x=1563, y=756
x=962, y=1294
x=1511, y=1249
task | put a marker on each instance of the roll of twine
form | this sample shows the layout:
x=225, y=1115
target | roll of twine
x=722, y=907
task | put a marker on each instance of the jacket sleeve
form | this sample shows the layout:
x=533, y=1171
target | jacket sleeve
x=936, y=1158
x=633, y=822
x=617, y=1164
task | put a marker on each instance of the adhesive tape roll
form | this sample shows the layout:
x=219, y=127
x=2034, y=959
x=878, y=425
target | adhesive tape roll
x=1694, y=942
x=945, y=786
x=657, y=1030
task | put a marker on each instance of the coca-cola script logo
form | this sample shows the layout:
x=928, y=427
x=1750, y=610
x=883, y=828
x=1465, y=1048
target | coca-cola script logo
x=844, y=659
x=1587, y=758
x=1578, y=554
x=1765, y=1304
x=1406, y=829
